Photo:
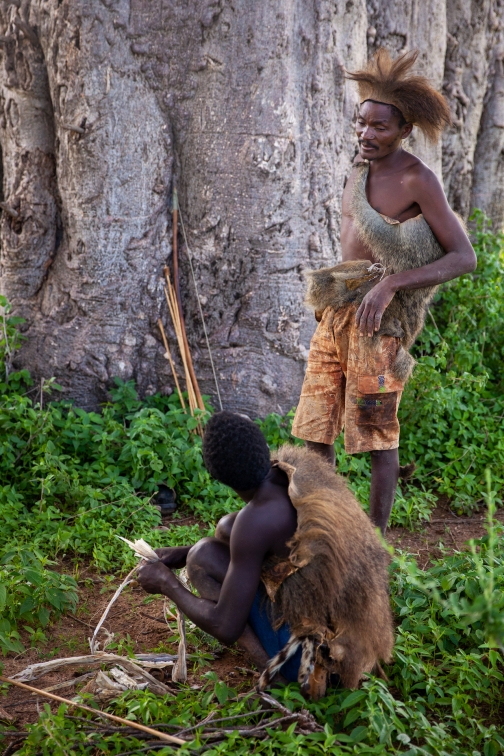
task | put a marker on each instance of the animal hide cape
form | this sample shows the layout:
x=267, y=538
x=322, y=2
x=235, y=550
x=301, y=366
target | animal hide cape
x=397, y=247
x=334, y=595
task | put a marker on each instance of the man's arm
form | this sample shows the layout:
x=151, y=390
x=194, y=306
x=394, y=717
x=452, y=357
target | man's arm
x=459, y=258
x=225, y=620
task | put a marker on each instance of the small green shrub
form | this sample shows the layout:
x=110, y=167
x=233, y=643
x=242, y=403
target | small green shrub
x=30, y=595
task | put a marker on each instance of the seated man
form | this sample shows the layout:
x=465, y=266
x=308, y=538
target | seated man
x=298, y=576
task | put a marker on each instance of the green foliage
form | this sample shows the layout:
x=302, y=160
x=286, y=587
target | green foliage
x=452, y=410
x=30, y=594
x=444, y=697
x=71, y=481
x=475, y=600
x=10, y=341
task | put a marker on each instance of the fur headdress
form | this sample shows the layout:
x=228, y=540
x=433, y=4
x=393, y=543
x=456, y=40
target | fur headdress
x=392, y=82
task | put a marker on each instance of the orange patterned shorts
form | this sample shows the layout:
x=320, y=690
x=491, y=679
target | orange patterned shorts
x=348, y=383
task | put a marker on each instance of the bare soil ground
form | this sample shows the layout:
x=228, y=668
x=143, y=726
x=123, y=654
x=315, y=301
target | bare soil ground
x=138, y=625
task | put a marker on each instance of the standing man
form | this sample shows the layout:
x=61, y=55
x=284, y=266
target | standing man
x=400, y=240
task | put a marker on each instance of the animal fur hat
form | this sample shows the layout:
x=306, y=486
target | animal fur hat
x=393, y=83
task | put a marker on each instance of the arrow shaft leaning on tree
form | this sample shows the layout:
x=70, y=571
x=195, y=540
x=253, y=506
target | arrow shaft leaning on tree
x=176, y=282
x=170, y=360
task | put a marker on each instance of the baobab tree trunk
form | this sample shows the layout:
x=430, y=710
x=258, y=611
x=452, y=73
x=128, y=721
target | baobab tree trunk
x=473, y=27
x=488, y=177
x=402, y=25
x=107, y=106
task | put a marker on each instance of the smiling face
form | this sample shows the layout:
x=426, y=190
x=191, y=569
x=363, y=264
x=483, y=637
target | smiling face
x=379, y=130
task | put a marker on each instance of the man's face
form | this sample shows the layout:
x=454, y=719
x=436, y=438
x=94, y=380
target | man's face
x=378, y=130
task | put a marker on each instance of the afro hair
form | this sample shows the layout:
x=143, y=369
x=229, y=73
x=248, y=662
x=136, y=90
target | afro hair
x=391, y=82
x=235, y=451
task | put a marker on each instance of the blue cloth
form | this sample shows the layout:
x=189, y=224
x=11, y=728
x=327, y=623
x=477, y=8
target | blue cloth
x=272, y=640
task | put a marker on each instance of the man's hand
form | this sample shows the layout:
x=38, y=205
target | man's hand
x=152, y=576
x=368, y=316
x=173, y=557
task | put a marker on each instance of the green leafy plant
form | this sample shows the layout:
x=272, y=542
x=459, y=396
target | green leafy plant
x=71, y=481
x=30, y=594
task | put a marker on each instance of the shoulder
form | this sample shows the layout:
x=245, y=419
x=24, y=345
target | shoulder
x=420, y=179
x=359, y=161
x=254, y=519
x=270, y=517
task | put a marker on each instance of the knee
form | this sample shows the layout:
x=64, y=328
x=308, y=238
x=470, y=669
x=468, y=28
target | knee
x=224, y=528
x=207, y=555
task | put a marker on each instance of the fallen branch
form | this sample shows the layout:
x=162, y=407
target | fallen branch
x=305, y=720
x=257, y=713
x=157, y=733
x=68, y=683
x=34, y=671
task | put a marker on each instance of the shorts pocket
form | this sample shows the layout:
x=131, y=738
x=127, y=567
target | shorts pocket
x=376, y=410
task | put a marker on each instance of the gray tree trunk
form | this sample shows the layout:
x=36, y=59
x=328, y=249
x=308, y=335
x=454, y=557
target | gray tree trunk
x=472, y=26
x=488, y=177
x=106, y=105
x=402, y=25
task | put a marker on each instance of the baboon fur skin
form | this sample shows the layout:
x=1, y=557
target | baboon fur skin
x=339, y=592
x=398, y=247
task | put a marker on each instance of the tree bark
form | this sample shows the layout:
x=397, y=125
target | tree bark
x=402, y=25
x=488, y=178
x=106, y=105
x=472, y=27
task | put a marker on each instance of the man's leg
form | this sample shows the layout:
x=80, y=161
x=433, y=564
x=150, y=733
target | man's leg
x=325, y=450
x=319, y=414
x=207, y=565
x=384, y=477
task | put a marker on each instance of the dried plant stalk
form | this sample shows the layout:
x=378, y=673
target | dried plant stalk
x=142, y=549
x=125, y=582
x=179, y=671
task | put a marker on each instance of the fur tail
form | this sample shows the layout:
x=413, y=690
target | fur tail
x=278, y=661
x=406, y=471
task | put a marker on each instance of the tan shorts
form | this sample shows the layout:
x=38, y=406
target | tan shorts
x=348, y=383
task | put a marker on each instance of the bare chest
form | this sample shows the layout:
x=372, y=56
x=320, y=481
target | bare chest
x=387, y=195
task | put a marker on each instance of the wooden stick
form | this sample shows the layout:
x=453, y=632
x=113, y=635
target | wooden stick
x=174, y=312
x=171, y=301
x=170, y=360
x=176, y=279
x=113, y=717
x=169, y=294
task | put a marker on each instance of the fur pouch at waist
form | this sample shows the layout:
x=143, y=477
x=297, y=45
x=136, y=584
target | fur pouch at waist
x=349, y=282
x=346, y=283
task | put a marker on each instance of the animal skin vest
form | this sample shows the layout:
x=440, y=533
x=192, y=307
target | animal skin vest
x=333, y=588
x=397, y=247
